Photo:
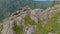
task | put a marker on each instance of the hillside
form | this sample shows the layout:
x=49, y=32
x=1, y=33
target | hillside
x=32, y=21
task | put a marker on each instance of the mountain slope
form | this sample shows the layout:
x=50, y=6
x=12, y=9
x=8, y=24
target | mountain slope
x=33, y=21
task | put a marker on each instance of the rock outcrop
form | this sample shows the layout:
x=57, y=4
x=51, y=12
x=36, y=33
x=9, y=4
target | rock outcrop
x=35, y=14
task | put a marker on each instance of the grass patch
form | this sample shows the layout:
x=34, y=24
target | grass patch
x=53, y=25
x=40, y=29
x=18, y=29
x=28, y=20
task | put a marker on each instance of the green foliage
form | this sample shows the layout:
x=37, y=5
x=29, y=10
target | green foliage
x=53, y=25
x=28, y=20
x=40, y=29
x=18, y=29
x=39, y=25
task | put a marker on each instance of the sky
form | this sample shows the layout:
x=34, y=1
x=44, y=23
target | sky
x=43, y=0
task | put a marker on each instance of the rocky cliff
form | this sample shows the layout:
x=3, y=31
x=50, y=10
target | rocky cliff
x=33, y=21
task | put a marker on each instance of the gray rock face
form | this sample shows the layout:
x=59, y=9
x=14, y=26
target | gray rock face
x=7, y=27
x=29, y=29
x=36, y=14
